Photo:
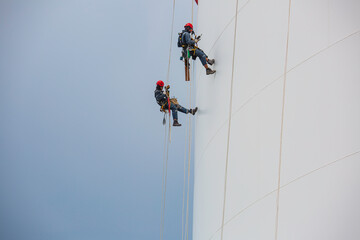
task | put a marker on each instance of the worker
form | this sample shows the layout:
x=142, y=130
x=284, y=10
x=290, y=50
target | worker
x=185, y=41
x=163, y=100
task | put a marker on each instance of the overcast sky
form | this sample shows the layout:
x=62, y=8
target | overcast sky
x=81, y=136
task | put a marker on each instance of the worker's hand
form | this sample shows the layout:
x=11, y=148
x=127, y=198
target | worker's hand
x=196, y=40
x=167, y=87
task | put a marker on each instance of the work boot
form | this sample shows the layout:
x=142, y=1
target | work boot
x=193, y=111
x=211, y=61
x=210, y=71
x=176, y=123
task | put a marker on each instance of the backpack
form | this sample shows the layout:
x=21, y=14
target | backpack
x=180, y=42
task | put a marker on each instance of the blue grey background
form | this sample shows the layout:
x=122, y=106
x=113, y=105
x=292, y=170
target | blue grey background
x=81, y=137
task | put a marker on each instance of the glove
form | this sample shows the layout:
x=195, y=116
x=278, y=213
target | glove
x=167, y=87
x=196, y=40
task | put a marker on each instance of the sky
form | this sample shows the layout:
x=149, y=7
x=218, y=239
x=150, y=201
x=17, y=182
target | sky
x=81, y=136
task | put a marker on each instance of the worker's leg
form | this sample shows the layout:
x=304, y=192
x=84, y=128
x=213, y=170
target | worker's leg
x=174, y=111
x=182, y=109
x=200, y=54
x=204, y=60
x=177, y=107
x=174, y=114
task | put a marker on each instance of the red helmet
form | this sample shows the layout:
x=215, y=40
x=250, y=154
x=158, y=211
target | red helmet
x=188, y=25
x=160, y=83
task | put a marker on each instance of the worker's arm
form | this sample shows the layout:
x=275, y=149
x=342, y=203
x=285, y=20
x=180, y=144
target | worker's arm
x=187, y=39
x=160, y=96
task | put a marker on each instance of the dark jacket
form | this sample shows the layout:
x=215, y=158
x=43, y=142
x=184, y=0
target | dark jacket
x=160, y=97
x=186, y=39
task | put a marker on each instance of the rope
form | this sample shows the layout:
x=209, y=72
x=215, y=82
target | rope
x=192, y=12
x=163, y=185
x=183, y=200
x=183, y=227
x=189, y=166
x=188, y=190
x=163, y=182
x=230, y=112
x=171, y=39
x=170, y=50
x=282, y=127
x=186, y=235
x=169, y=104
x=165, y=165
x=167, y=143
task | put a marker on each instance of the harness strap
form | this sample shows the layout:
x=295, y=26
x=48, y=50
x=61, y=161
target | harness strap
x=162, y=108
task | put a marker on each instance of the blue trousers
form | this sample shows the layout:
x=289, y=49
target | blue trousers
x=175, y=108
x=200, y=54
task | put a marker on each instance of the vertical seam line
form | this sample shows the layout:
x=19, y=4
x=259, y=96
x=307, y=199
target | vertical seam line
x=230, y=112
x=282, y=127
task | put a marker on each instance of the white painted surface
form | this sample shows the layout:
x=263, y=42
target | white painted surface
x=323, y=205
x=320, y=158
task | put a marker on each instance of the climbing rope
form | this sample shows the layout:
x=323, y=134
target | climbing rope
x=188, y=168
x=165, y=166
x=170, y=45
x=184, y=184
x=164, y=183
x=186, y=235
x=168, y=140
x=189, y=165
x=185, y=226
x=186, y=157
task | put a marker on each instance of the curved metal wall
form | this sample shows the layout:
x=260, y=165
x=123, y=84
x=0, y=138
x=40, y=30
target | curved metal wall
x=293, y=144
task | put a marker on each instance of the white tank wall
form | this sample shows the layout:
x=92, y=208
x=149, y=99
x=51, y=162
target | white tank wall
x=319, y=191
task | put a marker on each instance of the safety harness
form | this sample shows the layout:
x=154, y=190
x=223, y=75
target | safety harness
x=185, y=46
x=169, y=101
x=162, y=108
